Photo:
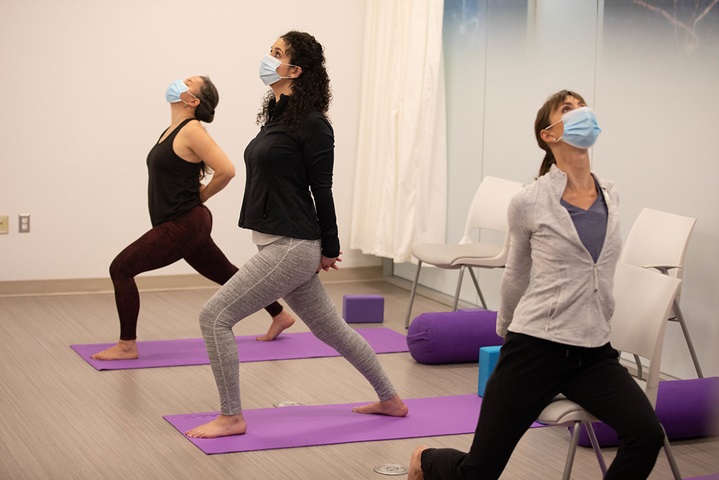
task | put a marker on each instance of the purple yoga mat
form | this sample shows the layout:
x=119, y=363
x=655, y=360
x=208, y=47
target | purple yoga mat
x=303, y=426
x=175, y=353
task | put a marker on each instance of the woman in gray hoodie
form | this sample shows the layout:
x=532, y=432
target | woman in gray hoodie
x=555, y=307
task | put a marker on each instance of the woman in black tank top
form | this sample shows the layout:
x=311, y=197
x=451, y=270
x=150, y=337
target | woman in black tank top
x=181, y=224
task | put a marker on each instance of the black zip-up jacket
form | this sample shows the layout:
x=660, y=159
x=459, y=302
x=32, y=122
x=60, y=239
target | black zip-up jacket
x=288, y=186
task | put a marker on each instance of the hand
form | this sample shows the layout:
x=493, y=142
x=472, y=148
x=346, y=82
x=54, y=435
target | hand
x=203, y=199
x=326, y=263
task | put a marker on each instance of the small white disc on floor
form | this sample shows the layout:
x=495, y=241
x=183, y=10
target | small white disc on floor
x=288, y=403
x=391, y=470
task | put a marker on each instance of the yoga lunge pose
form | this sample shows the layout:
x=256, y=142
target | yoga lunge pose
x=289, y=163
x=555, y=306
x=181, y=224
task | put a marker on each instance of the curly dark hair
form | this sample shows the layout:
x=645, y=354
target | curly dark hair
x=311, y=90
x=542, y=122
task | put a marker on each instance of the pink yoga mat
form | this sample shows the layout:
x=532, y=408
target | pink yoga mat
x=175, y=353
x=303, y=426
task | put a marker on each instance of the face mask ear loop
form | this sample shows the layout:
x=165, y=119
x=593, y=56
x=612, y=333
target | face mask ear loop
x=289, y=65
x=546, y=129
x=186, y=104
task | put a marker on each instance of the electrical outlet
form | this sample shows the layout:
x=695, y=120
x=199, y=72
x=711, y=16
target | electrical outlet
x=23, y=223
x=4, y=224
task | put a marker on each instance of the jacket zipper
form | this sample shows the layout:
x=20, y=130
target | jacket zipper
x=596, y=278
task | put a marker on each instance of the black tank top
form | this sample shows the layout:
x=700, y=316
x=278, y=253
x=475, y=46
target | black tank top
x=174, y=184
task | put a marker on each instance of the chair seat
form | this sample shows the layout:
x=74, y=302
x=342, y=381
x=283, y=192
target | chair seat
x=561, y=411
x=454, y=256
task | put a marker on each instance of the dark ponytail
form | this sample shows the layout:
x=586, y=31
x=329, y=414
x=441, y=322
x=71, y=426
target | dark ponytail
x=209, y=98
x=547, y=163
x=205, y=112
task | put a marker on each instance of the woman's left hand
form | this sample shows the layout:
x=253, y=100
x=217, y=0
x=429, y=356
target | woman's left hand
x=326, y=263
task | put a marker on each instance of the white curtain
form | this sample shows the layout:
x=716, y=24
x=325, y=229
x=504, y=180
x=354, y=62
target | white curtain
x=400, y=190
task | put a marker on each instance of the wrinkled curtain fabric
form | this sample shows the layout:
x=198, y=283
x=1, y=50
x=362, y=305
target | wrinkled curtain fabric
x=400, y=189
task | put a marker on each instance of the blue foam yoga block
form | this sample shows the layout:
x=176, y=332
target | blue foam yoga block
x=488, y=357
x=363, y=308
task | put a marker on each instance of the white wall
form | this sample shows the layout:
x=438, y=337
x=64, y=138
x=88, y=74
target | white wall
x=82, y=94
x=82, y=90
x=654, y=95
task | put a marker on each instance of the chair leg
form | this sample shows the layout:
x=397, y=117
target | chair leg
x=479, y=290
x=414, y=292
x=459, y=287
x=680, y=319
x=596, y=448
x=670, y=457
x=572, y=450
x=639, y=367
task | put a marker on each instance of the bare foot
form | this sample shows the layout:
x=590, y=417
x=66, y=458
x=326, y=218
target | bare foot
x=222, y=426
x=415, y=464
x=394, y=407
x=124, y=350
x=280, y=322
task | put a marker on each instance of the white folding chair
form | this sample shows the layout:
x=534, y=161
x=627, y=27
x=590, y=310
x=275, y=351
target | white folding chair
x=643, y=300
x=659, y=240
x=487, y=212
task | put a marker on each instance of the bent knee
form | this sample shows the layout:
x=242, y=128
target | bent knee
x=119, y=269
x=214, y=315
x=208, y=315
x=654, y=436
x=650, y=436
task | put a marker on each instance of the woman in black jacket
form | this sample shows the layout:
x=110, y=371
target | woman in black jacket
x=288, y=206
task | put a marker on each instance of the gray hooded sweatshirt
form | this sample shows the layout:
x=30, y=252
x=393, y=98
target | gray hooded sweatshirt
x=552, y=288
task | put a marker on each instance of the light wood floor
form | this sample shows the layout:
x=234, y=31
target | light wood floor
x=61, y=419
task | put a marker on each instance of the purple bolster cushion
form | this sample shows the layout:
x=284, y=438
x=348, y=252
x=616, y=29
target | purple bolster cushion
x=686, y=409
x=452, y=337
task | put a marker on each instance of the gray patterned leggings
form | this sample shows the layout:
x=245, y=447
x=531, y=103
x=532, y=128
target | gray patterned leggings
x=283, y=269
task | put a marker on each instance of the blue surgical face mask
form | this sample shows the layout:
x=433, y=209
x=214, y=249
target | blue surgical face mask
x=172, y=94
x=268, y=70
x=580, y=128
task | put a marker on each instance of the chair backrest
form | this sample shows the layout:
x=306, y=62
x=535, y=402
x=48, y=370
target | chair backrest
x=658, y=239
x=643, y=299
x=489, y=207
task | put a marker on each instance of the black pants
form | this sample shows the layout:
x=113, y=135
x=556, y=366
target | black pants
x=185, y=237
x=530, y=372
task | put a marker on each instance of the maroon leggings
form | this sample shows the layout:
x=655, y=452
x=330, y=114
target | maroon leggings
x=185, y=237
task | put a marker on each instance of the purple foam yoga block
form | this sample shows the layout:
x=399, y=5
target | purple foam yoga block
x=686, y=409
x=363, y=308
x=451, y=337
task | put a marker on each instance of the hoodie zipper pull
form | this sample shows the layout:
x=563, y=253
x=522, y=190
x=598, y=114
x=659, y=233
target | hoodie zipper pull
x=596, y=279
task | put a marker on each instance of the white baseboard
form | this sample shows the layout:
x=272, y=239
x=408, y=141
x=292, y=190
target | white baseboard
x=157, y=283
